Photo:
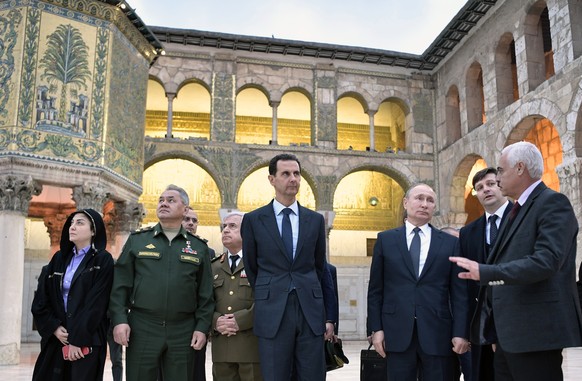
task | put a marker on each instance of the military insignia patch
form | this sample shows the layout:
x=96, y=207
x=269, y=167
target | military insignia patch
x=150, y=246
x=188, y=249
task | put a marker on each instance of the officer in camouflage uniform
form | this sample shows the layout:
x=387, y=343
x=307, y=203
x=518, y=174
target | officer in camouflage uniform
x=235, y=349
x=162, y=301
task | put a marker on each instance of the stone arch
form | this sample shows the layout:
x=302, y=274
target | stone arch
x=256, y=86
x=368, y=197
x=295, y=117
x=474, y=96
x=574, y=122
x=463, y=207
x=195, y=80
x=538, y=44
x=452, y=116
x=184, y=155
x=506, y=71
x=390, y=127
x=198, y=181
x=357, y=96
x=295, y=85
x=545, y=135
x=306, y=175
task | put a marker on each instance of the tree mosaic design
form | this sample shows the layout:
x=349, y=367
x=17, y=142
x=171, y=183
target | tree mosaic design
x=65, y=63
x=8, y=38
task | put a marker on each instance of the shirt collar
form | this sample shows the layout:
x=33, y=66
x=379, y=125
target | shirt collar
x=410, y=227
x=83, y=251
x=231, y=254
x=278, y=207
x=525, y=195
x=499, y=212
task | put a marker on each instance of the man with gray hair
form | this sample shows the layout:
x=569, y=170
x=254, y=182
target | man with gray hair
x=162, y=302
x=235, y=349
x=528, y=285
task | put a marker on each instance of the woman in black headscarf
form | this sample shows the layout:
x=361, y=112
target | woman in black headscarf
x=71, y=301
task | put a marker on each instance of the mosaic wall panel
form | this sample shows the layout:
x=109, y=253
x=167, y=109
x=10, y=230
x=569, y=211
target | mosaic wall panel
x=58, y=98
x=126, y=112
x=12, y=23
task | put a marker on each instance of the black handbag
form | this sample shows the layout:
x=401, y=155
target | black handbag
x=372, y=366
x=334, y=355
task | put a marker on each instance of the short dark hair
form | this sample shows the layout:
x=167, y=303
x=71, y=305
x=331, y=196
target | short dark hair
x=282, y=157
x=482, y=173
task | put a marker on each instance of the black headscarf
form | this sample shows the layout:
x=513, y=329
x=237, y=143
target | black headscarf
x=98, y=241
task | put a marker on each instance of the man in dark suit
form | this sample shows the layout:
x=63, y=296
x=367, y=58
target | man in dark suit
x=476, y=240
x=417, y=306
x=531, y=273
x=284, y=245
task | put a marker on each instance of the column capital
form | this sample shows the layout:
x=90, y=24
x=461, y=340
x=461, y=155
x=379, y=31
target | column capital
x=16, y=191
x=127, y=216
x=54, y=226
x=90, y=195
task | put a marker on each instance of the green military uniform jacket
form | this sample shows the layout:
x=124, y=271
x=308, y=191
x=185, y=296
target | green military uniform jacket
x=233, y=295
x=163, y=281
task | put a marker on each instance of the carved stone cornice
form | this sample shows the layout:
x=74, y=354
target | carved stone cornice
x=16, y=191
x=90, y=195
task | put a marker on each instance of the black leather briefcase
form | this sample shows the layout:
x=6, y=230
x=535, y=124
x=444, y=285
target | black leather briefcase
x=372, y=366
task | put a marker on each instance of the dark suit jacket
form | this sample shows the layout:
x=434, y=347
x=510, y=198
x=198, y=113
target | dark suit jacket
x=333, y=272
x=436, y=301
x=532, y=271
x=270, y=272
x=473, y=245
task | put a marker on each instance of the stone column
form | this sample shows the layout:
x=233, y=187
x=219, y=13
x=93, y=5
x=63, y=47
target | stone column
x=15, y=195
x=570, y=175
x=90, y=195
x=124, y=218
x=371, y=114
x=328, y=216
x=171, y=97
x=274, y=105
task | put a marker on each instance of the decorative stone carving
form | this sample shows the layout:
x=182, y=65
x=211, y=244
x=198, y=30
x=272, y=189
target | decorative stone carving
x=223, y=107
x=127, y=217
x=16, y=192
x=90, y=195
x=54, y=225
x=325, y=189
x=231, y=168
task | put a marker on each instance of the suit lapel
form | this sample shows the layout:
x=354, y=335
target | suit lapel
x=304, y=223
x=267, y=218
x=507, y=229
x=435, y=244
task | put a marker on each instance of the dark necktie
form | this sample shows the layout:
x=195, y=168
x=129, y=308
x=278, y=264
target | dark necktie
x=287, y=232
x=415, y=250
x=233, y=260
x=493, y=230
x=513, y=212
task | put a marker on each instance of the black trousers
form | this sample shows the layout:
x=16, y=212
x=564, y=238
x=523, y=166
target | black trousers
x=528, y=366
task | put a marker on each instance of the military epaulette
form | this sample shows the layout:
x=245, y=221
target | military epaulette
x=143, y=230
x=197, y=236
x=217, y=257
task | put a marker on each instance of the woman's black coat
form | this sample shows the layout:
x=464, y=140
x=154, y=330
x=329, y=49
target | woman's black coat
x=85, y=320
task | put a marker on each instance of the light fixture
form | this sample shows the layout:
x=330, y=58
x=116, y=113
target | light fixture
x=373, y=201
x=122, y=5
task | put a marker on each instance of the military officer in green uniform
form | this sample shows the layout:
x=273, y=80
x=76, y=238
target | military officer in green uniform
x=162, y=301
x=235, y=350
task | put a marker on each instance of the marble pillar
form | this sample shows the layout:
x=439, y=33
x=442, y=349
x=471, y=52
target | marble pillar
x=15, y=194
